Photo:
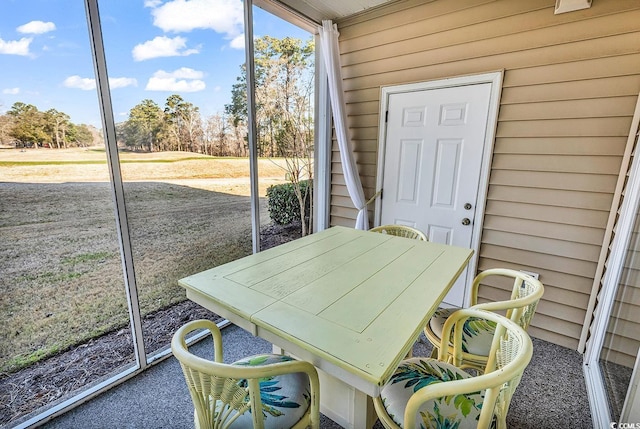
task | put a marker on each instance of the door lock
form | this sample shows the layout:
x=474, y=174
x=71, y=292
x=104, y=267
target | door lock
x=467, y=206
x=466, y=221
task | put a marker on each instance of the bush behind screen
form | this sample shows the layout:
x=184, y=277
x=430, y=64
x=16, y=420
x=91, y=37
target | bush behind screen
x=283, y=204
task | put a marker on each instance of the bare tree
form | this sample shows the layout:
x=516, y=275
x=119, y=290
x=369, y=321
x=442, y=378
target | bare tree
x=284, y=113
x=57, y=124
x=217, y=135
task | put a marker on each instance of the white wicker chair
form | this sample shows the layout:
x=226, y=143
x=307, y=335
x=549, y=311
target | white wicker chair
x=263, y=391
x=477, y=336
x=400, y=231
x=432, y=393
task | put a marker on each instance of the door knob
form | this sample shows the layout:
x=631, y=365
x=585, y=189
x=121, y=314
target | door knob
x=466, y=221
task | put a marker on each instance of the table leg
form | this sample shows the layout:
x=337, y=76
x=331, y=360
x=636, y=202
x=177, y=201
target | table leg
x=343, y=403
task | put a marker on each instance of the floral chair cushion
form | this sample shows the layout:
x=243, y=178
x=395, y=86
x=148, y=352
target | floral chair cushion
x=285, y=398
x=477, y=334
x=458, y=411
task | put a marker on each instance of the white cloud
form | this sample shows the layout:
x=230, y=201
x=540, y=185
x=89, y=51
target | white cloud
x=15, y=47
x=36, y=27
x=122, y=82
x=222, y=16
x=83, y=83
x=182, y=80
x=162, y=46
x=87, y=84
x=152, y=3
x=11, y=91
x=181, y=73
x=237, y=42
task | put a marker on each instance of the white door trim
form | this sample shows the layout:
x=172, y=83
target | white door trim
x=495, y=79
x=598, y=399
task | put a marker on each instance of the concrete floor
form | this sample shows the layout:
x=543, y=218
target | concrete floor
x=552, y=393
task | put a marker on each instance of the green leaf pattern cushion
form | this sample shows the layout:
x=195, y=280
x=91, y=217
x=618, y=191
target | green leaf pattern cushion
x=453, y=412
x=477, y=334
x=285, y=398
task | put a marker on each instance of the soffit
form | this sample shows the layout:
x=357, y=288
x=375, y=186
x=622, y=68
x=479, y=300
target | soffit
x=317, y=10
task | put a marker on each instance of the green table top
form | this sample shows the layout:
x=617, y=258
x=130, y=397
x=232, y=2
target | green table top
x=355, y=299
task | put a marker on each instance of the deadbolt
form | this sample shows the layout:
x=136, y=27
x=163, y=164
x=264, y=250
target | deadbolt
x=466, y=221
x=467, y=206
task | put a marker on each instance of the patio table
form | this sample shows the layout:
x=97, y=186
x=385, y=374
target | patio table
x=351, y=302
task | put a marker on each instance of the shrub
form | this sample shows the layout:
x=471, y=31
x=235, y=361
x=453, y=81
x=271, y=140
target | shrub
x=283, y=204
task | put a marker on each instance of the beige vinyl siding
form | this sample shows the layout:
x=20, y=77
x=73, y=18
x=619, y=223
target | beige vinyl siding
x=569, y=88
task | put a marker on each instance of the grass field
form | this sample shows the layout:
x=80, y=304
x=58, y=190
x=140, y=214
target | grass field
x=61, y=279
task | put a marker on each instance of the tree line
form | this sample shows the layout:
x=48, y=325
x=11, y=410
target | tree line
x=26, y=126
x=179, y=127
x=284, y=83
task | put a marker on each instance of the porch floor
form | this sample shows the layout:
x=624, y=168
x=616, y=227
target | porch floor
x=552, y=393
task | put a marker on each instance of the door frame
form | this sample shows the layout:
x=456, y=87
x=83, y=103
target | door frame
x=493, y=78
x=596, y=391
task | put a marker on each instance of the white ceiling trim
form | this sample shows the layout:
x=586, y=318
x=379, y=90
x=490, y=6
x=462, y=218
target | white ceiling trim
x=319, y=10
x=289, y=14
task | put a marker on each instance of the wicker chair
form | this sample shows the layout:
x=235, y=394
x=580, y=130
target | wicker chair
x=477, y=335
x=400, y=231
x=427, y=392
x=263, y=391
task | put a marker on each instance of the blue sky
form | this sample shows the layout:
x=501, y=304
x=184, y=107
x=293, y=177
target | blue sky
x=154, y=48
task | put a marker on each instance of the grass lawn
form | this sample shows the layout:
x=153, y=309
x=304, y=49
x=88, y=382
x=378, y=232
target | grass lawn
x=61, y=278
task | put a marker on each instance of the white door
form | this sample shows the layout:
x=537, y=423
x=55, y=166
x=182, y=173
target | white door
x=433, y=154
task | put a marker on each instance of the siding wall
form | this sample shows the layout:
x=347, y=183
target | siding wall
x=569, y=91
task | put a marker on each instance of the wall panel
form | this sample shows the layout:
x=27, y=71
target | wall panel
x=569, y=90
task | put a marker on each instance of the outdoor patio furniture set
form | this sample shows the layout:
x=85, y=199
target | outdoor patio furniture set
x=479, y=353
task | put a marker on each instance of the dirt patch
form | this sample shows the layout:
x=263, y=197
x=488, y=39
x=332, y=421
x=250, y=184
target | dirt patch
x=57, y=378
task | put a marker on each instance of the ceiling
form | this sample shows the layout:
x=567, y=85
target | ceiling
x=317, y=10
x=314, y=11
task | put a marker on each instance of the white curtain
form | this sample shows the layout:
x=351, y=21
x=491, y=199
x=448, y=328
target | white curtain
x=331, y=54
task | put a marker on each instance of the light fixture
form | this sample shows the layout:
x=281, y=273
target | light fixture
x=563, y=6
